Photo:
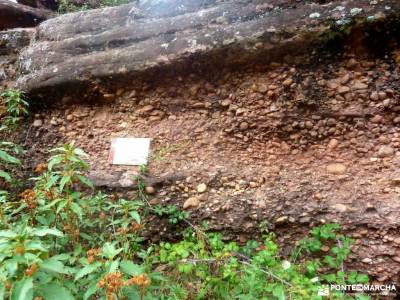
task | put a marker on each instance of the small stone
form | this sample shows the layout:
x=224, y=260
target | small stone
x=366, y=260
x=288, y=82
x=396, y=120
x=201, y=188
x=191, y=202
x=309, y=124
x=226, y=102
x=397, y=241
x=351, y=63
x=325, y=248
x=281, y=220
x=336, y=168
x=343, y=89
x=262, y=88
x=396, y=259
x=359, y=86
x=385, y=151
x=333, y=144
x=147, y=108
x=374, y=96
x=150, y=190
x=244, y=126
x=382, y=95
x=253, y=184
x=340, y=207
x=37, y=123
x=376, y=119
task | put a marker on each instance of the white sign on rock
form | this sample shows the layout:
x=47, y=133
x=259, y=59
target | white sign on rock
x=129, y=151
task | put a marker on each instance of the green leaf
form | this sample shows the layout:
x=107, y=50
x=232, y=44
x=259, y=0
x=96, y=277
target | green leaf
x=87, y=270
x=5, y=175
x=130, y=268
x=7, y=158
x=55, y=160
x=113, y=266
x=33, y=245
x=2, y=291
x=279, y=292
x=77, y=210
x=55, y=291
x=91, y=290
x=47, y=231
x=80, y=152
x=362, y=278
x=52, y=181
x=85, y=181
x=135, y=215
x=8, y=234
x=23, y=289
x=109, y=251
x=53, y=265
x=64, y=180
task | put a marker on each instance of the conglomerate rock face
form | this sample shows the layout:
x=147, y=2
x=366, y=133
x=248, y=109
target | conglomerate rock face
x=258, y=129
x=100, y=49
x=11, y=43
x=284, y=145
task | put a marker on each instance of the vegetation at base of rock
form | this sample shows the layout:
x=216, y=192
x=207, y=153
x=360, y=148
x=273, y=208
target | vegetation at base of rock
x=61, y=239
x=66, y=6
x=16, y=107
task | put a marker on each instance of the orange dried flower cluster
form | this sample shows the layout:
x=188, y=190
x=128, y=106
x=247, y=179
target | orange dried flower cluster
x=112, y=283
x=134, y=227
x=92, y=253
x=141, y=281
x=31, y=269
x=20, y=249
x=41, y=168
x=71, y=230
x=29, y=197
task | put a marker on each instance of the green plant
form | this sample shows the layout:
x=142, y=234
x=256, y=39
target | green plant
x=174, y=215
x=7, y=158
x=63, y=240
x=66, y=6
x=16, y=107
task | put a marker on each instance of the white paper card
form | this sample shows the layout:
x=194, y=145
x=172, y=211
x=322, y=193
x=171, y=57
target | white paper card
x=129, y=151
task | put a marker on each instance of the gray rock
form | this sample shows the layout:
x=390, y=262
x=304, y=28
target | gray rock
x=136, y=40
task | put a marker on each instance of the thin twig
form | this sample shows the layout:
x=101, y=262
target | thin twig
x=339, y=242
x=268, y=273
x=247, y=261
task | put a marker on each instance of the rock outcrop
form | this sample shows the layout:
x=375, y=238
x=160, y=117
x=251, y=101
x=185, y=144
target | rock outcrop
x=13, y=15
x=104, y=48
x=11, y=43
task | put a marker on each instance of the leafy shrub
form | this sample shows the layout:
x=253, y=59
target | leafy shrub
x=61, y=243
x=66, y=6
x=16, y=107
